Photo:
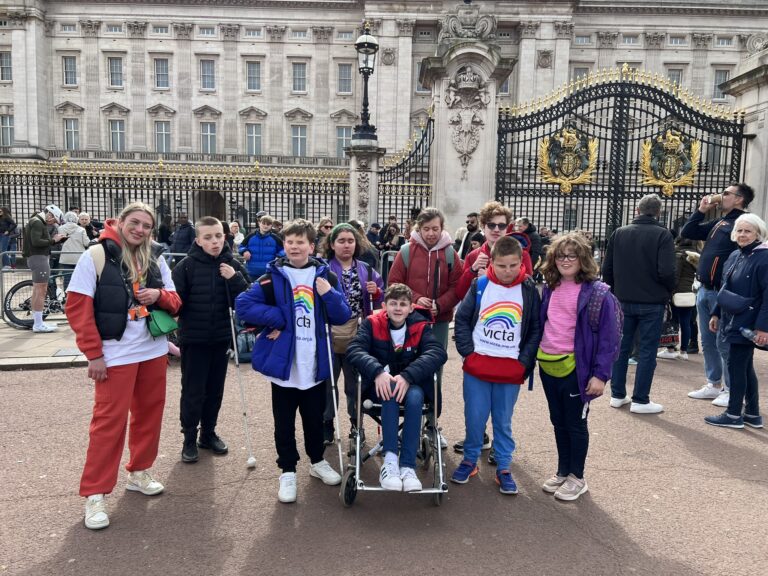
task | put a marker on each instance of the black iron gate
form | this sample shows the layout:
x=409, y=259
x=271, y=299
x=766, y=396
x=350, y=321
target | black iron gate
x=582, y=157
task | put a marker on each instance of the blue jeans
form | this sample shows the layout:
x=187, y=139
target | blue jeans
x=390, y=416
x=646, y=320
x=714, y=347
x=5, y=241
x=482, y=399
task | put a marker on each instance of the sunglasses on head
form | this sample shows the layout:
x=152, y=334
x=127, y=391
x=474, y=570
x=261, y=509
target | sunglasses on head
x=496, y=225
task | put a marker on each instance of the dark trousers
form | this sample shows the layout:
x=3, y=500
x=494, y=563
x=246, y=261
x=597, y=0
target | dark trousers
x=341, y=364
x=683, y=317
x=571, y=433
x=311, y=403
x=743, y=381
x=203, y=371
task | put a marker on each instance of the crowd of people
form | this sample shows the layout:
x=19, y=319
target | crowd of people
x=325, y=307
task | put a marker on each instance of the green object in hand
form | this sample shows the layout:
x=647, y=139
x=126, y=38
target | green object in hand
x=161, y=323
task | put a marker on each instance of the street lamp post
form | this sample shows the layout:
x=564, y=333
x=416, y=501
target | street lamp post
x=366, y=47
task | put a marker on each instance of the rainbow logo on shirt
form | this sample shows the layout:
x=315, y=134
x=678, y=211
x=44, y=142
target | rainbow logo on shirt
x=502, y=315
x=303, y=299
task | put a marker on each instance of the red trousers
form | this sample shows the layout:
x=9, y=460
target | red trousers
x=140, y=389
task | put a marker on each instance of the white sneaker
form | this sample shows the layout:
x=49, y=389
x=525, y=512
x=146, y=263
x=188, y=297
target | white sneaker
x=443, y=444
x=650, y=408
x=706, y=392
x=722, y=399
x=44, y=328
x=668, y=354
x=142, y=481
x=619, y=402
x=96, y=512
x=324, y=471
x=287, y=492
x=389, y=477
x=411, y=482
x=683, y=355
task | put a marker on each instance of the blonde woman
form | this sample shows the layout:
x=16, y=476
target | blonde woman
x=114, y=287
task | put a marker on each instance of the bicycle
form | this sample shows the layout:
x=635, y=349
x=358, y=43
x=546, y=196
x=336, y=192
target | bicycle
x=17, y=304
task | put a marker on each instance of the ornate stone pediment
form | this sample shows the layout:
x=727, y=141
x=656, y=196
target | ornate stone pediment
x=467, y=23
x=206, y=111
x=467, y=97
x=252, y=113
x=115, y=109
x=344, y=115
x=298, y=114
x=161, y=110
x=68, y=107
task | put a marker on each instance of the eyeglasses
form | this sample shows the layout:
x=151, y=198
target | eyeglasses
x=496, y=225
x=726, y=193
x=563, y=257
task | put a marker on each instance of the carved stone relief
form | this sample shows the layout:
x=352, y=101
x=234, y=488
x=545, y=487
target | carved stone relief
x=230, y=31
x=564, y=30
x=757, y=42
x=654, y=39
x=136, y=29
x=322, y=34
x=183, y=31
x=529, y=29
x=405, y=27
x=276, y=33
x=389, y=56
x=90, y=28
x=544, y=59
x=467, y=97
x=701, y=41
x=468, y=23
x=607, y=39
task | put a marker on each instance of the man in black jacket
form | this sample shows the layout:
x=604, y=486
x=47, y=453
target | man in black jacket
x=207, y=280
x=640, y=268
x=717, y=233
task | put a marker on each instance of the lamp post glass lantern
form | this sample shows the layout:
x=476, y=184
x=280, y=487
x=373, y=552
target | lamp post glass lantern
x=367, y=46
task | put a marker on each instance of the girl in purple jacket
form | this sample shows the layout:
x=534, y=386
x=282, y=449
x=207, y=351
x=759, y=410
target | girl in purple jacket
x=582, y=333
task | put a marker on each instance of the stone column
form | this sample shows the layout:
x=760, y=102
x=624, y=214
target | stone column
x=526, y=69
x=24, y=109
x=275, y=128
x=138, y=132
x=184, y=81
x=606, y=44
x=323, y=75
x=401, y=115
x=653, y=43
x=563, y=35
x=230, y=33
x=92, y=83
x=364, y=157
x=699, y=72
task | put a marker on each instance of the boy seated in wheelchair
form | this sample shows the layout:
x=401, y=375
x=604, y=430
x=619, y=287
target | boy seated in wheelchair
x=397, y=355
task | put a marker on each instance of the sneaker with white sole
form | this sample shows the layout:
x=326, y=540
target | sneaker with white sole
x=619, y=402
x=571, y=489
x=96, y=512
x=753, y=421
x=722, y=399
x=707, y=392
x=551, y=485
x=44, y=328
x=683, y=356
x=411, y=482
x=142, y=481
x=324, y=471
x=389, y=477
x=668, y=354
x=650, y=408
x=287, y=491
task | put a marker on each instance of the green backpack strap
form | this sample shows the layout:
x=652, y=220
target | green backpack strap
x=405, y=253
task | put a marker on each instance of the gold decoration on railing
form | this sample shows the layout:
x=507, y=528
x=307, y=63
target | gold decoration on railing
x=568, y=158
x=670, y=161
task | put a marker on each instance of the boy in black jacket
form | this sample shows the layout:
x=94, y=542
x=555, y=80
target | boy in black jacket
x=207, y=280
x=397, y=355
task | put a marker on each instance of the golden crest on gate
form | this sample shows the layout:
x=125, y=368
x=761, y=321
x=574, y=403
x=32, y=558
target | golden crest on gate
x=567, y=158
x=670, y=160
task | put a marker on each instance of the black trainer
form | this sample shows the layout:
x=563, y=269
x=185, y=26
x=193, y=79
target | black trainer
x=213, y=443
x=189, y=452
x=459, y=446
x=328, y=432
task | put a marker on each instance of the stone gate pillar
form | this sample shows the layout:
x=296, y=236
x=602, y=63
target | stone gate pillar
x=464, y=76
x=364, y=157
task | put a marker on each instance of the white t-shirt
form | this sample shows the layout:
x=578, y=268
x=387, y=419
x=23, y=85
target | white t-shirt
x=304, y=366
x=499, y=324
x=398, y=337
x=137, y=344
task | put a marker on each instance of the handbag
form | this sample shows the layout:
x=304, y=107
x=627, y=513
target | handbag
x=670, y=337
x=161, y=323
x=684, y=299
x=344, y=334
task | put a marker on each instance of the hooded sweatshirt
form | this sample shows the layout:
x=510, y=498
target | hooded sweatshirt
x=425, y=266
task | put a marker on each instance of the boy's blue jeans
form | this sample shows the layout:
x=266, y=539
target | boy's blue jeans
x=482, y=399
x=390, y=417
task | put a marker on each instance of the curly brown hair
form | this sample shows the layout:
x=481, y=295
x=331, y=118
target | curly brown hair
x=580, y=245
x=491, y=209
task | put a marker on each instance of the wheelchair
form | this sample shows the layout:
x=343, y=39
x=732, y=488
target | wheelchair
x=428, y=456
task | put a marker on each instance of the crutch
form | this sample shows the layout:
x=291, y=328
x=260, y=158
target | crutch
x=334, y=391
x=251, y=462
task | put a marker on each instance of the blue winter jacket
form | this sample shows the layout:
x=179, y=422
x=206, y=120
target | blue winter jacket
x=263, y=248
x=745, y=274
x=274, y=358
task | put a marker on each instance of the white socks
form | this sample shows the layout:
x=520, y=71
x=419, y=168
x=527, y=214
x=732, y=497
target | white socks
x=38, y=316
x=390, y=458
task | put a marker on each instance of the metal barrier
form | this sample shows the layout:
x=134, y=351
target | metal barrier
x=385, y=263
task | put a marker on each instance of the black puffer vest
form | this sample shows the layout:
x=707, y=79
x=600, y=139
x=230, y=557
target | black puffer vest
x=114, y=294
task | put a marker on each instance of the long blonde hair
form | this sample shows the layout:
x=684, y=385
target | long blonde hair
x=137, y=260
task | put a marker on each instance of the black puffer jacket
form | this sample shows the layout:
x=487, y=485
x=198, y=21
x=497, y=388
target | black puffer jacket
x=204, y=315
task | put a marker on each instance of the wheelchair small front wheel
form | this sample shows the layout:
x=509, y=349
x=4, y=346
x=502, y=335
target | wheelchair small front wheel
x=348, y=490
x=426, y=451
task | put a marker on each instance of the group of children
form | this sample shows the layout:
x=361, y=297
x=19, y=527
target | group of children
x=503, y=326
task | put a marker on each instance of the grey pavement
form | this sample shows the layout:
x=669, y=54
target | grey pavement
x=668, y=494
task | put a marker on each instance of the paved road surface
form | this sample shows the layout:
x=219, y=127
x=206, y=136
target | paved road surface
x=669, y=495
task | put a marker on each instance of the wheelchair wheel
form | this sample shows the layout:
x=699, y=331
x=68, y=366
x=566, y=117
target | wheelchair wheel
x=437, y=497
x=426, y=451
x=348, y=490
x=17, y=305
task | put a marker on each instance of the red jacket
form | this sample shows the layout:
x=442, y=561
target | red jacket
x=420, y=275
x=466, y=278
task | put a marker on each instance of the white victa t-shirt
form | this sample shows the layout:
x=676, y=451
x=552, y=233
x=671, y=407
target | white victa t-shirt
x=137, y=344
x=499, y=324
x=304, y=365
